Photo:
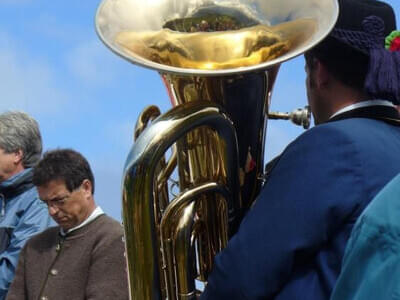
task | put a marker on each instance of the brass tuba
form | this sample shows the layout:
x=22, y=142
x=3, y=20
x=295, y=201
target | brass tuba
x=218, y=60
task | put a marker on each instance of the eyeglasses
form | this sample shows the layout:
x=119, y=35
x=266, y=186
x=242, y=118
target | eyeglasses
x=60, y=201
x=57, y=202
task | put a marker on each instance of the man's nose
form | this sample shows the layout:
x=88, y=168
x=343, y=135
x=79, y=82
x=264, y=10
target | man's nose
x=53, y=210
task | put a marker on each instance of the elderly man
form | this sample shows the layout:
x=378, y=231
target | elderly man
x=22, y=214
x=291, y=243
x=82, y=258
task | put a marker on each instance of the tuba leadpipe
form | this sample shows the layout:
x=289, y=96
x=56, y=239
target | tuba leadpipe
x=218, y=60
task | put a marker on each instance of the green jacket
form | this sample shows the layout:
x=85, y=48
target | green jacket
x=371, y=265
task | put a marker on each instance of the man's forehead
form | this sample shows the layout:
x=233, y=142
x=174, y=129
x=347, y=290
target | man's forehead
x=2, y=150
x=52, y=188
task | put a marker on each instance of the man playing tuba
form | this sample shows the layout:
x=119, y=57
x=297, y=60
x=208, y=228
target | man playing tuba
x=291, y=243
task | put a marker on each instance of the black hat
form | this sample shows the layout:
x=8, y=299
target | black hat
x=353, y=12
x=364, y=25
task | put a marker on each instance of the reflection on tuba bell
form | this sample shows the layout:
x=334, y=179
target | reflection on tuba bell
x=218, y=60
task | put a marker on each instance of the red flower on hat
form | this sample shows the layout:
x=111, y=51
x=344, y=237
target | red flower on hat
x=395, y=46
x=392, y=41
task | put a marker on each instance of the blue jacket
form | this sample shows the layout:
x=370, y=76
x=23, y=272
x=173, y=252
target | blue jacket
x=22, y=215
x=371, y=265
x=291, y=243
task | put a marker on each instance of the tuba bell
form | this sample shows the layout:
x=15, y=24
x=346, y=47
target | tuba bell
x=218, y=60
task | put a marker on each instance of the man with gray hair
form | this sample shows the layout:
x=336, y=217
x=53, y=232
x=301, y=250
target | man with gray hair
x=22, y=214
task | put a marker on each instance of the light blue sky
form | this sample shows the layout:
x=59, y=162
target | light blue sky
x=53, y=66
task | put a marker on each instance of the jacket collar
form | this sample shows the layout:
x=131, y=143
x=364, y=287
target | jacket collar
x=17, y=184
x=379, y=112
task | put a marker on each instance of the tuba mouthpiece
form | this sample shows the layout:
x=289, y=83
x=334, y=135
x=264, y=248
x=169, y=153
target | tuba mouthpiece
x=299, y=116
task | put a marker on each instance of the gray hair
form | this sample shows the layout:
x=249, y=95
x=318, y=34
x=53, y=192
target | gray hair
x=19, y=131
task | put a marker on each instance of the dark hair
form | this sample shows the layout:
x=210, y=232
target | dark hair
x=65, y=164
x=345, y=63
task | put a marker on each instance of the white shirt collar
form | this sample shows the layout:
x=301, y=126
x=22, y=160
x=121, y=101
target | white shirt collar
x=97, y=212
x=362, y=104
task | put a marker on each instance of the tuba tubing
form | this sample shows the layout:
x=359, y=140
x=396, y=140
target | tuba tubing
x=138, y=181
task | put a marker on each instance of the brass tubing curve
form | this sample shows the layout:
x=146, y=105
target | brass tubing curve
x=138, y=180
x=148, y=114
x=175, y=237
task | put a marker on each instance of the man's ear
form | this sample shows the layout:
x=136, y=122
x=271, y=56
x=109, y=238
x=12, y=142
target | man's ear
x=322, y=75
x=87, y=186
x=18, y=156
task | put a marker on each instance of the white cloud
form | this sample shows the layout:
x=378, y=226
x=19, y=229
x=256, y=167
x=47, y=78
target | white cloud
x=26, y=83
x=92, y=63
x=120, y=135
x=49, y=26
